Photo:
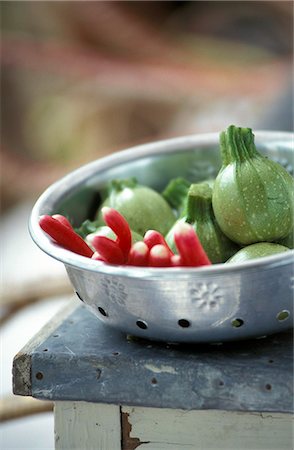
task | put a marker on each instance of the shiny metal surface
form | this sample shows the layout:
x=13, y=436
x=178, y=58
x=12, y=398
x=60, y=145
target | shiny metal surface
x=210, y=304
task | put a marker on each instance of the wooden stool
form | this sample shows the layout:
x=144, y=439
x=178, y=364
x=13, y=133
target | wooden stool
x=112, y=392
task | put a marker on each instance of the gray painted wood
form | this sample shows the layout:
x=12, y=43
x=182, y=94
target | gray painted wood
x=84, y=360
x=22, y=362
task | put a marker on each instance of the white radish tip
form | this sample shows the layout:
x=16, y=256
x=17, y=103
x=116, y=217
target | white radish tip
x=148, y=233
x=89, y=238
x=176, y=260
x=140, y=247
x=105, y=209
x=160, y=251
x=183, y=228
x=97, y=256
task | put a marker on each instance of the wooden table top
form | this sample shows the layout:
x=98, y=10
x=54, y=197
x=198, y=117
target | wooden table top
x=77, y=357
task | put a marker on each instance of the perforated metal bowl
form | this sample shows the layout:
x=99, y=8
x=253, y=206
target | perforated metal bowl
x=209, y=304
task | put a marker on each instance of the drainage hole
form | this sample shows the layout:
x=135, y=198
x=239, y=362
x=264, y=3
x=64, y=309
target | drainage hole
x=237, y=323
x=45, y=350
x=142, y=324
x=268, y=387
x=39, y=376
x=184, y=323
x=221, y=383
x=153, y=381
x=102, y=311
x=78, y=295
x=283, y=315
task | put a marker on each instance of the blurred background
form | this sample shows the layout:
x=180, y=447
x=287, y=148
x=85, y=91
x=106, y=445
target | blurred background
x=80, y=80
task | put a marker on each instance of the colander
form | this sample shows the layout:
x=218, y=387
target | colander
x=213, y=304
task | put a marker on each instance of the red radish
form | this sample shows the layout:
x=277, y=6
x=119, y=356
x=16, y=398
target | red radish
x=64, y=236
x=108, y=249
x=176, y=261
x=63, y=220
x=139, y=254
x=97, y=257
x=189, y=246
x=159, y=256
x=153, y=237
x=120, y=227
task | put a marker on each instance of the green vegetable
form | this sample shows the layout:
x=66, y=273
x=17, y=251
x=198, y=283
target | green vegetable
x=257, y=250
x=141, y=206
x=288, y=241
x=87, y=227
x=176, y=192
x=210, y=182
x=106, y=231
x=199, y=213
x=252, y=195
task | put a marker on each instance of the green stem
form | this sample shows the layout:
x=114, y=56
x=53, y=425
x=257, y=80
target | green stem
x=237, y=145
x=119, y=185
x=199, y=207
x=176, y=192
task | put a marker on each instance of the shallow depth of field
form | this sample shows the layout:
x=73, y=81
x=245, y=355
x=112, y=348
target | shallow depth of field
x=81, y=80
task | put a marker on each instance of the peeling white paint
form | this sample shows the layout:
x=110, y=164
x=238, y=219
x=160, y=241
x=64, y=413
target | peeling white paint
x=160, y=369
x=175, y=429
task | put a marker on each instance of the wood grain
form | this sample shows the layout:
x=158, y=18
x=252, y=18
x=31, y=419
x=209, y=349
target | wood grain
x=90, y=426
x=167, y=429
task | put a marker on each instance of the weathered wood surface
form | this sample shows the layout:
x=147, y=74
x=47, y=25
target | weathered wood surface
x=87, y=426
x=168, y=429
x=22, y=363
x=81, y=359
x=95, y=426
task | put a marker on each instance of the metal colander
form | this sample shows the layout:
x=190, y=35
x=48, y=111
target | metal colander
x=209, y=304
